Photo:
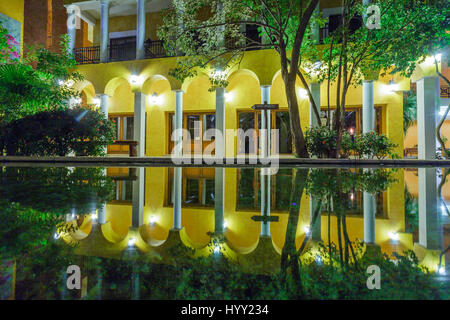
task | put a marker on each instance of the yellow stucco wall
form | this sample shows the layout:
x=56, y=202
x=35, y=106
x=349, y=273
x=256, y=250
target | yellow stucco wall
x=15, y=10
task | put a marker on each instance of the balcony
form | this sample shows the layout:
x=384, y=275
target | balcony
x=120, y=52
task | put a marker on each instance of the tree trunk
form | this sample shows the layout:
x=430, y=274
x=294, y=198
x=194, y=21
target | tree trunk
x=296, y=129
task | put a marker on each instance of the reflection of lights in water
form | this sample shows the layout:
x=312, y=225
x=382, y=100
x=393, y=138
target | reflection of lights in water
x=153, y=220
x=131, y=242
x=306, y=229
x=225, y=225
x=393, y=236
x=56, y=236
x=441, y=271
x=94, y=216
x=318, y=259
x=216, y=249
x=443, y=210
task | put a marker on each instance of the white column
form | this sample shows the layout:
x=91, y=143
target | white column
x=430, y=228
x=72, y=28
x=220, y=122
x=428, y=95
x=370, y=207
x=104, y=30
x=265, y=201
x=368, y=109
x=140, y=38
x=177, y=181
x=104, y=104
x=139, y=122
x=315, y=92
x=265, y=99
x=219, y=200
x=178, y=123
x=138, y=198
x=102, y=214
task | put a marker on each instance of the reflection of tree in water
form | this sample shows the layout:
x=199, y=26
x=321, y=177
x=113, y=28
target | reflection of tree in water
x=58, y=190
x=34, y=202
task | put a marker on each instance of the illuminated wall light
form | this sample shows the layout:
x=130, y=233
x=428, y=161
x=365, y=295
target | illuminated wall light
x=306, y=229
x=56, y=236
x=228, y=96
x=94, y=216
x=394, y=236
x=155, y=99
x=392, y=86
x=225, y=225
x=135, y=80
x=318, y=259
x=430, y=60
x=131, y=242
x=153, y=220
x=96, y=101
x=441, y=271
x=216, y=249
x=303, y=93
x=352, y=196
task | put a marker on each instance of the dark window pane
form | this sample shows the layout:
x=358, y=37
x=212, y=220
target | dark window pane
x=191, y=120
x=192, y=191
x=246, y=197
x=209, y=192
x=129, y=128
x=285, y=136
x=246, y=122
x=210, y=121
x=283, y=184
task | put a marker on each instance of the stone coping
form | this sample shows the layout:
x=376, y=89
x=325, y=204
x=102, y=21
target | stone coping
x=228, y=162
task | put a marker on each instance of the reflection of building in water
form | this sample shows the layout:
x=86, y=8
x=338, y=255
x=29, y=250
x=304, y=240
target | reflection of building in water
x=250, y=215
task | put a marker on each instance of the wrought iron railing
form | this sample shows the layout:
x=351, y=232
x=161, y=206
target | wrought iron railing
x=87, y=55
x=445, y=92
x=120, y=52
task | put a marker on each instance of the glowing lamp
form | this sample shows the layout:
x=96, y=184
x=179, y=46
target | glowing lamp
x=394, y=236
x=131, y=242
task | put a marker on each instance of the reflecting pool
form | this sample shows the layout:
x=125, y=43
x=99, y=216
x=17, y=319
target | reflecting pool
x=224, y=233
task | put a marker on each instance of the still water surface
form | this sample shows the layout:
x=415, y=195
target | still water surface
x=215, y=233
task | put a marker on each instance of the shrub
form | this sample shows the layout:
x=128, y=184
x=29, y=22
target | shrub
x=372, y=145
x=320, y=141
x=57, y=133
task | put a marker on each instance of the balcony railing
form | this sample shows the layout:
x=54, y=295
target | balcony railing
x=119, y=52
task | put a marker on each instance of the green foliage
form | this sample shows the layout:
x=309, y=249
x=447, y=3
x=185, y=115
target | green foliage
x=411, y=212
x=372, y=145
x=57, y=190
x=8, y=47
x=320, y=141
x=57, y=133
x=40, y=82
x=326, y=183
x=409, y=111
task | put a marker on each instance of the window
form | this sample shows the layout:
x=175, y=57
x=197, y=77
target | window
x=205, y=122
x=251, y=120
x=124, y=131
x=197, y=187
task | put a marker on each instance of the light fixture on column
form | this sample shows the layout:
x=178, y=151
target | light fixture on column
x=96, y=102
x=225, y=224
x=392, y=86
x=56, y=236
x=155, y=99
x=135, y=79
x=228, y=96
x=441, y=271
x=431, y=60
x=131, y=242
x=307, y=229
x=153, y=220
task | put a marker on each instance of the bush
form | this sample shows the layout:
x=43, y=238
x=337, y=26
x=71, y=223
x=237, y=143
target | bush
x=372, y=145
x=57, y=133
x=321, y=142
